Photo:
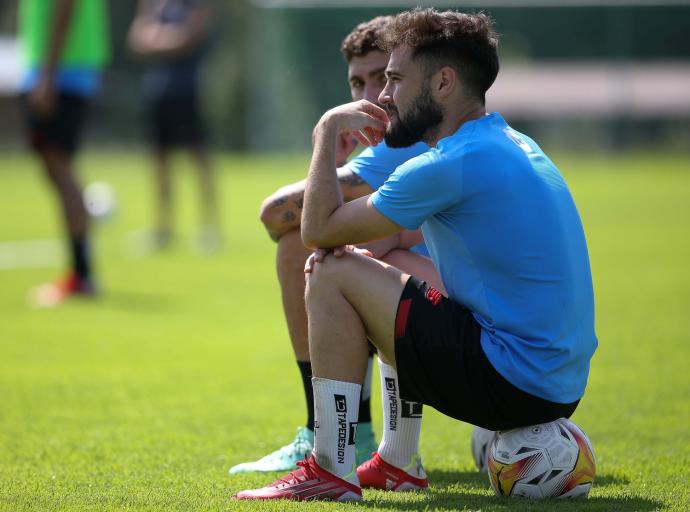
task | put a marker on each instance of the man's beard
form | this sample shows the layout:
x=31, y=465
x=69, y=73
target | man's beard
x=420, y=121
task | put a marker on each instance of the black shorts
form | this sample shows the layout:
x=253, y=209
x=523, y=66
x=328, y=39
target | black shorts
x=62, y=129
x=176, y=122
x=441, y=363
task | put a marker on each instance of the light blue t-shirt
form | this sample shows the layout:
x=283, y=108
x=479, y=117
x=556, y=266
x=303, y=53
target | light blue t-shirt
x=375, y=163
x=504, y=233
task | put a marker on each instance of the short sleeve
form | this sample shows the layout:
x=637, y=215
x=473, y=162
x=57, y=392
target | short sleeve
x=418, y=189
x=374, y=164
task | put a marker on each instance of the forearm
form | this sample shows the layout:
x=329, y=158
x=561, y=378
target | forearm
x=322, y=194
x=281, y=212
x=170, y=40
x=402, y=240
x=326, y=221
x=380, y=248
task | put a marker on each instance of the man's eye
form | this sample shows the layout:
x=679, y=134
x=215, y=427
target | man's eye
x=356, y=85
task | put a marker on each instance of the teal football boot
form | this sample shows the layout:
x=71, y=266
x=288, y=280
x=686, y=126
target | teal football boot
x=365, y=442
x=283, y=459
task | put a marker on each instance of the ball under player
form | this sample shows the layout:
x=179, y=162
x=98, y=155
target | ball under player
x=281, y=214
x=66, y=46
x=511, y=344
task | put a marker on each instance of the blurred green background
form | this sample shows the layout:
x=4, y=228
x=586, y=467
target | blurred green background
x=144, y=398
x=619, y=69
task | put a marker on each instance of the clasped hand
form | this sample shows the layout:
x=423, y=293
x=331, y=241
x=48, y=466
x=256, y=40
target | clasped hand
x=364, y=120
x=320, y=254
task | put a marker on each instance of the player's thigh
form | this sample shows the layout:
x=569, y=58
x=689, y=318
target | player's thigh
x=373, y=289
x=416, y=265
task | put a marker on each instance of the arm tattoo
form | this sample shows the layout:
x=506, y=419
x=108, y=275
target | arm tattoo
x=289, y=216
x=278, y=202
x=299, y=202
x=352, y=180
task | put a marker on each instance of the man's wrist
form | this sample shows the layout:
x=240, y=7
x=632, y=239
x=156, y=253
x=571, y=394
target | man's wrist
x=327, y=127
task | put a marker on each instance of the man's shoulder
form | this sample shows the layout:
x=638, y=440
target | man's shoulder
x=422, y=166
x=376, y=163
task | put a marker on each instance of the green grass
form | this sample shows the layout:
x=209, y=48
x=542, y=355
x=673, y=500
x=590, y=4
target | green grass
x=143, y=399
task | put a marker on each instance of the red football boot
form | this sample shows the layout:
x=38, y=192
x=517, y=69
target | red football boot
x=51, y=294
x=308, y=482
x=376, y=473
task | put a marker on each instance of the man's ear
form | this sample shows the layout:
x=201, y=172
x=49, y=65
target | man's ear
x=445, y=82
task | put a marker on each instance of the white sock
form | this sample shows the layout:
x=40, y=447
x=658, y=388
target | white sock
x=402, y=424
x=336, y=407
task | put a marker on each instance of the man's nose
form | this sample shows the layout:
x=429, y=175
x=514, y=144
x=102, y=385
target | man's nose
x=385, y=96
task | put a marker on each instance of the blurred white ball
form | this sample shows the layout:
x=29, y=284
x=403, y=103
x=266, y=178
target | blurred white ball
x=100, y=200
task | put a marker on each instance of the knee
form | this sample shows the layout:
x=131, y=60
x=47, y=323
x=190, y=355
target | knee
x=327, y=275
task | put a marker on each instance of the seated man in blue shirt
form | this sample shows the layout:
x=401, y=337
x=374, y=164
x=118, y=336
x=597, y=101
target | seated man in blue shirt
x=511, y=344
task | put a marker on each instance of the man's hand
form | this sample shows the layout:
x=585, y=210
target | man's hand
x=42, y=99
x=326, y=221
x=320, y=254
x=362, y=119
x=345, y=144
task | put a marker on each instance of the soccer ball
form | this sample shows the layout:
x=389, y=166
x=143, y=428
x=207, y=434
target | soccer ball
x=99, y=200
x=481, y=440
x=550, y=460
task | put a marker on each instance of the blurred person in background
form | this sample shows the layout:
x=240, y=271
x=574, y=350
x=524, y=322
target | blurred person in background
x=281, y=215
x=66, y=45
x=173, y=37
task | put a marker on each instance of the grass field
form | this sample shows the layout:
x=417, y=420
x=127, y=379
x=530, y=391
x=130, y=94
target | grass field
x=144, y=398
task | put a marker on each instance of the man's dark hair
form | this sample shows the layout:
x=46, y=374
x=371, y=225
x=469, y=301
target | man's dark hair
x=362, y=39
x=466, y=42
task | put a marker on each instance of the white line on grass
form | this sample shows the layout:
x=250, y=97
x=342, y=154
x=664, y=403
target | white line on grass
x=30, y=254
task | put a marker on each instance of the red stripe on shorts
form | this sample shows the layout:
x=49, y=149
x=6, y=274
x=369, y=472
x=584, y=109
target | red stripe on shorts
x=401, y=318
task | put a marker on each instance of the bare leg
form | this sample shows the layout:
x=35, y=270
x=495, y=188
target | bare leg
x=416, y=265
x=290, y=258
x=164, y=196
x=209, y=201
x=59, y=169
x=349, y=299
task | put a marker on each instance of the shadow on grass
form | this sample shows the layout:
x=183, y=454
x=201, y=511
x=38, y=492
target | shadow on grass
x=474, y=479
x=444, y=495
